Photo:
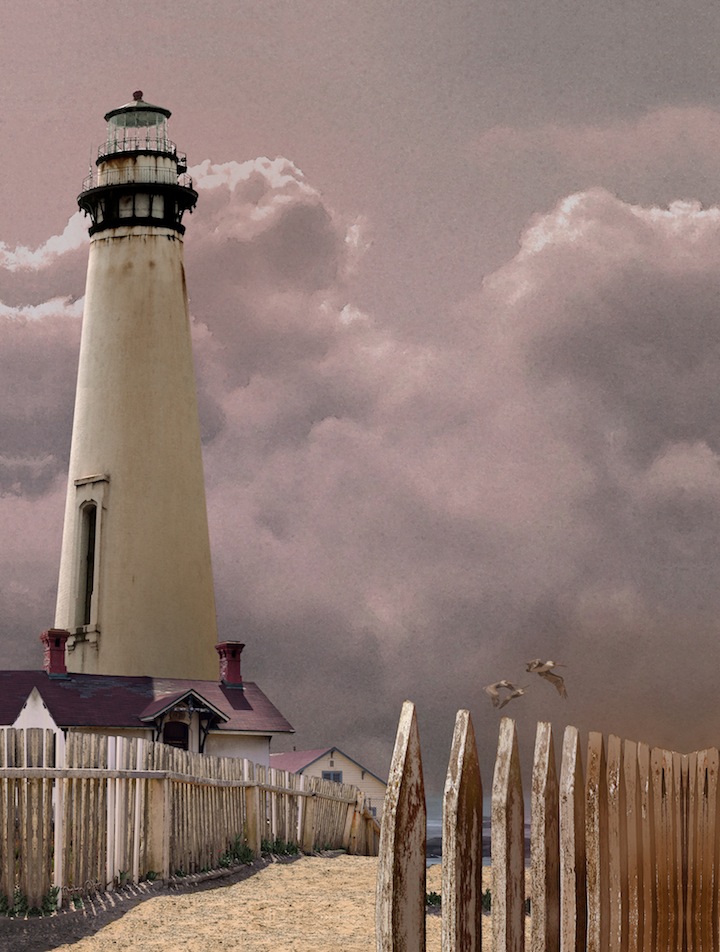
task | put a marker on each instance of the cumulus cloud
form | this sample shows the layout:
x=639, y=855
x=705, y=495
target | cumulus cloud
x=415, y=516
x=542, y=480
x=74, y=236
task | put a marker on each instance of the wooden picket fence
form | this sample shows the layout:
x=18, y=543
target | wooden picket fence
x=624, y=856
x=83, y=813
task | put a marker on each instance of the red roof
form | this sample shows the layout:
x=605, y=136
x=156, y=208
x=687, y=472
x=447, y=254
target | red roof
x=297, y=760
x=97, y=700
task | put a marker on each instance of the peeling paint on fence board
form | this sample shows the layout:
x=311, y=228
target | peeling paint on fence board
x=544, y=846
x=709, y=931
x=691, y=849
x=661, y=861
x=648, y=849
x=633, y=811
x=661, y=768
x=573, y=910
x=617, y=847
x=596, y=827
x=400, y=896
x=714, y=836
x=462, y=843
x=700, y=833
x=676, y=807
x=508, y=844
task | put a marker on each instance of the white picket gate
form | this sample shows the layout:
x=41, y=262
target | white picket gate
x=624, y=856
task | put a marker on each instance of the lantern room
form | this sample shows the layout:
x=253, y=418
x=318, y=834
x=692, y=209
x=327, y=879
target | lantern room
x=137, y=127
x=140, y=178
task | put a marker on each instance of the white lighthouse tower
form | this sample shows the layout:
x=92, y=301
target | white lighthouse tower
x=135, y=587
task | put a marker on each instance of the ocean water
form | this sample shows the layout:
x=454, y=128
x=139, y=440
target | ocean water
x=434, y=832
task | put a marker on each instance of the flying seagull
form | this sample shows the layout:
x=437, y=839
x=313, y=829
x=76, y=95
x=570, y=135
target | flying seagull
x=539, y=666
x=544, y=669
x=516, y=692
x=493, y=692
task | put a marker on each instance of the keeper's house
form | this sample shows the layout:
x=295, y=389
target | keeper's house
x=227, y=717
x=330, y=763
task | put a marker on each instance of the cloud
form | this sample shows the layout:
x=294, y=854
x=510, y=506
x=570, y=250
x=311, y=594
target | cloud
x=541, y=480
x=287, y=238
x=415, y=515
x=74, y=236
x=51, y=277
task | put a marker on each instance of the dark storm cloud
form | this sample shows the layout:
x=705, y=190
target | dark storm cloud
x=265, y=237
x=543, y=480
x=398, y=517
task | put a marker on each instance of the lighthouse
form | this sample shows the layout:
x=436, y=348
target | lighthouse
x=135, y=587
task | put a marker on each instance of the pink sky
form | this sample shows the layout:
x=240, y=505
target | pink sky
x=454, y=278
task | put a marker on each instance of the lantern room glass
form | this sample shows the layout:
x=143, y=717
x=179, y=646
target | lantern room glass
x=137, y=130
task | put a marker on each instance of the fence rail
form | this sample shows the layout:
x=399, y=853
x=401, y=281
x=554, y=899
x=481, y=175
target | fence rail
x=86, y=812
x=624, y=857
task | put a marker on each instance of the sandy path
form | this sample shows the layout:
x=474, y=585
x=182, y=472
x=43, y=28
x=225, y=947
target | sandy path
x=316, y=904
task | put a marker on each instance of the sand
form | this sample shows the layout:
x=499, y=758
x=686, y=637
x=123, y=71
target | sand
x=315, y=904
x=320, y=903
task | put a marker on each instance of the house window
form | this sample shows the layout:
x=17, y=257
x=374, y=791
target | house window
x=87, y=563
x=373, y=811
x=176, y=734
x=334, y=775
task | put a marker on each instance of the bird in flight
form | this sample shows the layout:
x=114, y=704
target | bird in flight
x=493, y=692
x=516, y=692
x=545, y=670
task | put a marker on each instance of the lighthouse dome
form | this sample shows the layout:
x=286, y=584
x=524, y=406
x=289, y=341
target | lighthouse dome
x=137, y=113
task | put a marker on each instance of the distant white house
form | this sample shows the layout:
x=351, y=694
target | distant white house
x=330, y=763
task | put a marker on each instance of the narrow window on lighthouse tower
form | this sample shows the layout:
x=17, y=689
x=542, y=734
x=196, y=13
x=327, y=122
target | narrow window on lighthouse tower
x=87, y=566
x=91, y=501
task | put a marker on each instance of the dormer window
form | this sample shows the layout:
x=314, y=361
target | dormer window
x=176, y=734
x=183, y=719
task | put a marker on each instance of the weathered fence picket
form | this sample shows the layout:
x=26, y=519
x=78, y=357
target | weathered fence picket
x=544, y=845
x=647, y=831
x=633, y=833
x=462, y=843
x=508, y=844
x=662, y=851
x=596, y=826
x=627, y=861
x=617, y=847
x=573, y=875
x=400, y=894
x=678, y=834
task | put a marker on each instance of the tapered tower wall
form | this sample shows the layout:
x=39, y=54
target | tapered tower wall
x=135, y=588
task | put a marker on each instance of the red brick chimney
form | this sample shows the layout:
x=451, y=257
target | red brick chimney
x=54, y=657
x=230, y=652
